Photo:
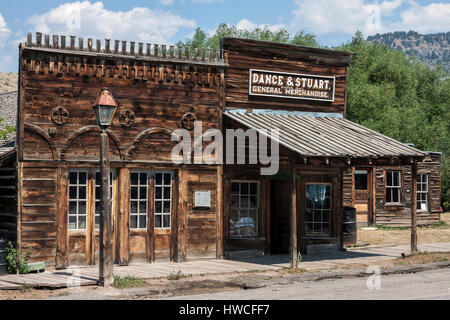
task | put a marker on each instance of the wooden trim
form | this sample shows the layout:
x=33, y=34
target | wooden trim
x=414, y=207
x=182, y=215
x=293, y=222
x=90, y=219
x=220, y=216
x=124, y=216
x=150, y=236
x=62, y=236
x=20, y=204
x=174, y=218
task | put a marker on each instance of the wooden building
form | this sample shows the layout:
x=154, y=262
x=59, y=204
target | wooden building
x=197, y=209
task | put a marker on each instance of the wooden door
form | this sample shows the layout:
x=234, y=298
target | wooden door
x=362, y=191
x=279, y=216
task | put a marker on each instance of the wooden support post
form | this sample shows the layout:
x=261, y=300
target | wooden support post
x=105, y=263
x=294, y=251
x=62, y=235
x=124, y=216
x=414, y=207
x=219, y=222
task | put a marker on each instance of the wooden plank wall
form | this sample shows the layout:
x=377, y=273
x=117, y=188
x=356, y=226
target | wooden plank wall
x=8, y=200
x=158, y=94
x=243, y=55
x=400, y=215
x=38, y=211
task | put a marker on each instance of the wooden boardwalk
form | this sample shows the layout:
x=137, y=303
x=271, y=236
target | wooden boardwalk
x=85, y=276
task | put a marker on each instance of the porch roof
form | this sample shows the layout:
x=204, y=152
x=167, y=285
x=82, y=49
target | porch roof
x=325, y=136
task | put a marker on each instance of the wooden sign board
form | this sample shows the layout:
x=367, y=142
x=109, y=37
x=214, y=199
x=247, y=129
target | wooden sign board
x=202, y=199
x=291, y=85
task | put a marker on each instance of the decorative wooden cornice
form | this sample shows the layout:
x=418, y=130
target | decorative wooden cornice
x=120, y=50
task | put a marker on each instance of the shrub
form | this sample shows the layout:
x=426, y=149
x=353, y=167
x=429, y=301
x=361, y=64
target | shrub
x=17, y=260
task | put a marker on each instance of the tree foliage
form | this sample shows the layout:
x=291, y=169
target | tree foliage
x=388, y=91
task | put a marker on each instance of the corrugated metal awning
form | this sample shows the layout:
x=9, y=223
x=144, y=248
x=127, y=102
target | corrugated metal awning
x=325, y=136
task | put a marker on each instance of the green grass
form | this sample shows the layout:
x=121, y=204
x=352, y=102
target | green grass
x=438, y=224
x=127, y=282
x=178, y=275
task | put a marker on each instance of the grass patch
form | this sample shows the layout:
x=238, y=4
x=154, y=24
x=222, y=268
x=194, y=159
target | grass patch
x=25, y=287
x=422, y=258
x=293, y=270
x=63, y=294
x=127, y=282
x=178, y=275
x=439, y=224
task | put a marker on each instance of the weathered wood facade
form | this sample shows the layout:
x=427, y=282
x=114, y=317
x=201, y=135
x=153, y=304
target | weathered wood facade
x=161, y=89
x=371, y=202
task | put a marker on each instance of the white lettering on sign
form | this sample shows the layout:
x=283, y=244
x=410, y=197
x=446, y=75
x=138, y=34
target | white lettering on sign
x=291, y=85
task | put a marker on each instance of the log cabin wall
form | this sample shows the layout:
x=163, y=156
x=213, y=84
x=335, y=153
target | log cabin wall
x=243, y=55
x=398, y=215
x=158, y=90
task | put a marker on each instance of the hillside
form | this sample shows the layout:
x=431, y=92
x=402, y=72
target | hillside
x=8, y=82
x=432, y=49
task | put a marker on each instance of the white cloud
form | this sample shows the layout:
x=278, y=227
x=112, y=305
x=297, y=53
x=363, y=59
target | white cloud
x=93, y=20
x=432, y=18
x=246, y=24
x=166, y=2
x=4, y=31
x=348, y=16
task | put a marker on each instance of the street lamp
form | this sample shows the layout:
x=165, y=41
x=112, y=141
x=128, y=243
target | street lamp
x=104, y=108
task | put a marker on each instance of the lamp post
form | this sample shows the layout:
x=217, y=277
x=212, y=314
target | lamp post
x=104, y=108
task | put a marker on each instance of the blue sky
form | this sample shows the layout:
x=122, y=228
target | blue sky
x=167, y=21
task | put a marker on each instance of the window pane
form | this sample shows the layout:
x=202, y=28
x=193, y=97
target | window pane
x=244, y=202
x=82, y=207
x=158, y=178
x=253, y=202
x=318, y=205
x=396, y=179
x=134, y=207
x=82, y=178
x=134, y=192
x=97, y=222
x=235, y=201
x=167, y=178
x=361, y=181
x=133, y=221
x=158, y=221
x=72, y=207
x=72, y=192
x=158, y=207
x=235, y=188
x=244, y=188
x=82, y=222
x=82, y=193
x=158, y=192
x=253, y=188
x=166, y=221
x=166, y=206
x=143, y=178
x=142, y=207
x=98, y=191
x=143, y=193
x=142, y=221
x=395, y=195
x=134, y=178
x=389, y=178
x=167, y=193
x=72, y=177
x=72, y=222
x=97, y=207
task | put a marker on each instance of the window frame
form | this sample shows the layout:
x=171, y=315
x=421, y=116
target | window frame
x=392, y=187
x=163, y=199
x=421, y=192
x=77, y=199
x=330, y=210
x=138, y=200
x=256, y=223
